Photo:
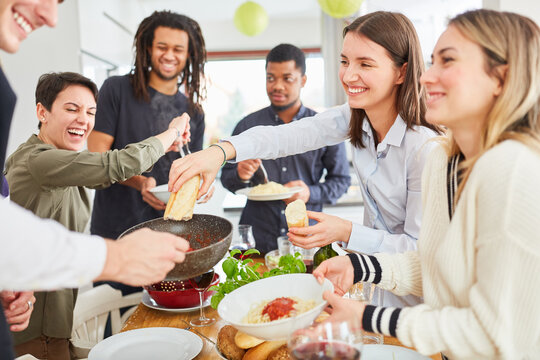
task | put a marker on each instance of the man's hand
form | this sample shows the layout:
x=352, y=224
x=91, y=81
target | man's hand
x=17, y=308
x=143, y=257
x=247, y=168
x=302, y=195
x=149, y=197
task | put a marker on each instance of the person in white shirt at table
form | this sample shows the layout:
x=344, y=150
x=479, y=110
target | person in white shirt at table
x=46, y=255
x=381, y=64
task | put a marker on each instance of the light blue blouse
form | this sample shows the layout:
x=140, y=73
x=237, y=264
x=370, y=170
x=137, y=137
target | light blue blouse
x=389, y=175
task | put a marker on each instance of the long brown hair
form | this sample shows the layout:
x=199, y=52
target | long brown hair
x=513, y=41
x=193, y=74
x=395, y=33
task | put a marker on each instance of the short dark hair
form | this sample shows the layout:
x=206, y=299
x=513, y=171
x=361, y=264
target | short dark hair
x=193, y=74
x=51, y=84
x=287, y=52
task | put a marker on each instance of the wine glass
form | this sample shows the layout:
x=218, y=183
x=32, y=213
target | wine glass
x=201, y=283
x=244, y=240
x=328, y=341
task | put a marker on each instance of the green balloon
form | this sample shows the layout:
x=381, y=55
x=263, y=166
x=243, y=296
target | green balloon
x=340, y=8
x=250, y=18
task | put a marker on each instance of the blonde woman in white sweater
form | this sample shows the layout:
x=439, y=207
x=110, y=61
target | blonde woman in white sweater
x=478, y=259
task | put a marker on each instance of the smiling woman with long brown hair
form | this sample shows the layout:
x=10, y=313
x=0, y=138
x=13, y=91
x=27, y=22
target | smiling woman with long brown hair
x=381, y=64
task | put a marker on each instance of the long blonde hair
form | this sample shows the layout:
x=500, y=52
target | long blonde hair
x=510, y=40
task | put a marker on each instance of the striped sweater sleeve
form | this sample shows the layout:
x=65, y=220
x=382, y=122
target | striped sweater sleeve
x=399, y=273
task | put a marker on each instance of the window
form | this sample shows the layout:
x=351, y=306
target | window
x=237, y=87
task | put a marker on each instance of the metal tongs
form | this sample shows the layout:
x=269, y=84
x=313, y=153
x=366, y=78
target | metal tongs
x=181, y=150
x=264, y=173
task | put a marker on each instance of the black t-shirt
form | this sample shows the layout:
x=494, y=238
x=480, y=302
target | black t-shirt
x=7, y=105
x=130, y=120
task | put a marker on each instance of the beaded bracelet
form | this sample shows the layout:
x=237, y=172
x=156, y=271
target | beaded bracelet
x=178, y=133
x=224, y=153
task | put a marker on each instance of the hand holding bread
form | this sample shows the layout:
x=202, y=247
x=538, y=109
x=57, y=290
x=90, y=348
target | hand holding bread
x=181, y=203
x=296, y=214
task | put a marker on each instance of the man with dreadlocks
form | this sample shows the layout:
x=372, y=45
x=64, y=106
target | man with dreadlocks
x=169, y=54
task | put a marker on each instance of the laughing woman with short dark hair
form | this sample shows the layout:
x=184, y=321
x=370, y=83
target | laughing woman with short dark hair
x=47, y=175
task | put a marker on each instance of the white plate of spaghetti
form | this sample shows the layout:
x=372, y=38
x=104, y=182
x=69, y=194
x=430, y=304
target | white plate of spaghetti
x=274, y=307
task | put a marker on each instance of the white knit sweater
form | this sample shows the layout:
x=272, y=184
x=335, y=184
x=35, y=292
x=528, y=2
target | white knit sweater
x=480, y=273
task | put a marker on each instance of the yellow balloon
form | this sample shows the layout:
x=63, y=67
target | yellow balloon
x=340, y=8
x=250, y=18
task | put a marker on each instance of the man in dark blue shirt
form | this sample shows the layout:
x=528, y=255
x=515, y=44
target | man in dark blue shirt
x=285, y=77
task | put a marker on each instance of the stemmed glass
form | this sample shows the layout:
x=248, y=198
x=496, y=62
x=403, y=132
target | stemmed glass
x=201, y=283
x=328, y=341
x=245, y=240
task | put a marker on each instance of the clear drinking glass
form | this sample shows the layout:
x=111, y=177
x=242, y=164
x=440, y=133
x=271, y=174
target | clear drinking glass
x=201, y=283
x=328, y=341
x=284, y=245
x=372, y=295
x=244, y=239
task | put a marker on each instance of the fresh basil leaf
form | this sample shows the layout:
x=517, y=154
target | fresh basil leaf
x=229, y=267
x=251, y=251
x=234, y=252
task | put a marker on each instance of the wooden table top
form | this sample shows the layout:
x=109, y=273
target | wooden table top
x=145, y=317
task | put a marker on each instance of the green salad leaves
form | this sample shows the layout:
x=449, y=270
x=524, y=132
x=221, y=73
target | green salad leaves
x=241, y=272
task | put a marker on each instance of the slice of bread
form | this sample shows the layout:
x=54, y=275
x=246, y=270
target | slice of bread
x=296, y=214
x=261, y=351
x=246, y=341
x=181, y=203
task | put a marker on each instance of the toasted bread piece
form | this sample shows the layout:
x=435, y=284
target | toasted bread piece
x=246, y=341
x=261, y=351
x=296, y=214
x=281, y=353
x=322, y=317
x=226, y=344
x=181, y=203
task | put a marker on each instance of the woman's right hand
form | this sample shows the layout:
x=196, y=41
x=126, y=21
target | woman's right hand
x=181, y=123
x=205, y=162
x=339, y=270
x=328, y=229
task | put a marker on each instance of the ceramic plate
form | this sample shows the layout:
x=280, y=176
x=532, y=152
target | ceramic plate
x=269, y=197
x=148, y=343
x=390, y=352
x=161, y=192
x=235, y=306
x=149, y=302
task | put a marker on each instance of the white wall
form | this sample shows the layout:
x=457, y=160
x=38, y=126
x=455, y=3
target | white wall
x=530, y=8
x=45, y=50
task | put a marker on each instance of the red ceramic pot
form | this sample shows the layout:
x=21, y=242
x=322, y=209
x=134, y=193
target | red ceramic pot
x=177, y=293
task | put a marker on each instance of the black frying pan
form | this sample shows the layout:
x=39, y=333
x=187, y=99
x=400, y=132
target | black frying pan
x=209, y=236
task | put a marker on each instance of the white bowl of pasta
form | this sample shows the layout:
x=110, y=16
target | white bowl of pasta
x=275, y=307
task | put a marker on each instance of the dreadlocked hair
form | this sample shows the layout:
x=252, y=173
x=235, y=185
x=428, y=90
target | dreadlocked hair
x=193, y=74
